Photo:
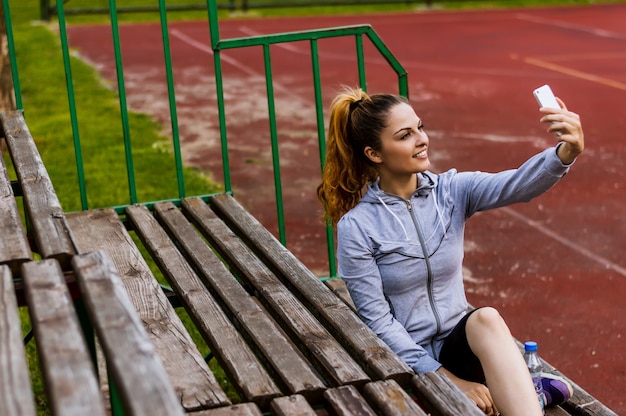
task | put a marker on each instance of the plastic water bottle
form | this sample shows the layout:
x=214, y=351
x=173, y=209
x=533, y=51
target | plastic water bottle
x=535, y=367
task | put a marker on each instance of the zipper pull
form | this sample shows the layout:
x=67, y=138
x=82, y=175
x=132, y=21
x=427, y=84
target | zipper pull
x=409, y=205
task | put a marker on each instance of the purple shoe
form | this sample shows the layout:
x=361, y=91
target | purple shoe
x=556, y=389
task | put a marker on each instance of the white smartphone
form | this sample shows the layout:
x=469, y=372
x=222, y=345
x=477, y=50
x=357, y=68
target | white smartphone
x=545, y=97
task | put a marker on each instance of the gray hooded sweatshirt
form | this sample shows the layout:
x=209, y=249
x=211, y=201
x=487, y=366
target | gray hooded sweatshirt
x=401, y=259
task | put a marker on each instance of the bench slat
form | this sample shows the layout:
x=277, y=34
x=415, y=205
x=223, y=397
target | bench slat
x=242, y=367
x=193, y=382
x=391, y=399
x=40, y=200
x=292, y=405
x=137, y=371
x=14, y=246
x=69, y=374
x=372, y=353
x=290, y=368
x=346, y=401
x=555, y=411
x=16, y=396
x=244, y=409
x=318, y=344
x=440, y=396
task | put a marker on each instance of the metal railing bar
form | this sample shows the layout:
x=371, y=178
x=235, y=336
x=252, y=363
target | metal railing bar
x=360, y=59
x=169, y=72
x=121, y=209
x=271, y=109
x=296, y=36
x=403, y=85
x=321, y=138
x=122, y=99
x=71, y=98
x=11, y=46
x=221, y=114
x=214, y=22
x=214, y=32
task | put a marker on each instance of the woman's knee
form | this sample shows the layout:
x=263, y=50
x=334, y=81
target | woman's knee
x=487, y=321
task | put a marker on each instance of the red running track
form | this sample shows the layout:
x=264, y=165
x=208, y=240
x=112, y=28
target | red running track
x=554, y=267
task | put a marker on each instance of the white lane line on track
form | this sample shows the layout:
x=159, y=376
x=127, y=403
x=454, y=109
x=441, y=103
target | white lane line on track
x=572, y=26
x=225, y=58
x=207, y=49
x=565, y=241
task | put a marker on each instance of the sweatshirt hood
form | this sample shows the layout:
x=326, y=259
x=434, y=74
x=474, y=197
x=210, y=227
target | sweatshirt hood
x=426, y=182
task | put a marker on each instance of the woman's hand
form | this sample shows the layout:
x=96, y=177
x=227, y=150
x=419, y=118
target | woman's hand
x=566, y=126
x=477, y=393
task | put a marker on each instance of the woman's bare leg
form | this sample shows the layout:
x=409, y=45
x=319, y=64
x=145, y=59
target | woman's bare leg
x=507, y=377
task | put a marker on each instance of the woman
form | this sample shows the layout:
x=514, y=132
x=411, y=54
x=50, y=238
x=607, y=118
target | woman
x=400, y=242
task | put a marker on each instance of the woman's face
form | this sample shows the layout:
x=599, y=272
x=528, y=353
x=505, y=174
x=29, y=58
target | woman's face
x=404, y=144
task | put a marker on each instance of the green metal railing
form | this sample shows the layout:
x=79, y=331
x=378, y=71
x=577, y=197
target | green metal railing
x=218, y=45
x=48, y=8
x=313, y=36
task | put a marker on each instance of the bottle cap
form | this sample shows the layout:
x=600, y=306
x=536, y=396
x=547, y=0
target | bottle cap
x=530, y=346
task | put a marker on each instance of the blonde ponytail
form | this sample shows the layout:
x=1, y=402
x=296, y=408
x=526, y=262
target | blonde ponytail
x=356, y=121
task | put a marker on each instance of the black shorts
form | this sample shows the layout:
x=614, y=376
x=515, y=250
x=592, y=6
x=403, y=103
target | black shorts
x=457, y=357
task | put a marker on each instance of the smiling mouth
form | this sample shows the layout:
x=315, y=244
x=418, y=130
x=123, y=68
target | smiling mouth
x=421, y=154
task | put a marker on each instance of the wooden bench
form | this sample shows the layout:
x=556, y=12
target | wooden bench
x=270, y=345
x=47, y=226
x=285, y=341
x=14, y=245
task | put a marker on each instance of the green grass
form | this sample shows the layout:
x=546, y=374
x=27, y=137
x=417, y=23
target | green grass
x=46, y=111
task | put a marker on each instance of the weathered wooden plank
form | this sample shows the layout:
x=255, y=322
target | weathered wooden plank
x=373, y=354
x=243, y=409
x=290, y=369
x=69, y=374
x=16, y=396
x=556, y=411
x=139, y=376
x=14, y=246
x=338, y=287
x=317, y=343
x=242, y=367
x=40, y=200
x=346, y=401
x=292, y=405
x=193, y=382
x=438, y=395
x=391, y=400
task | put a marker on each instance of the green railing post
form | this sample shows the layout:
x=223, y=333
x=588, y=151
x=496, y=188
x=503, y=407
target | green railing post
x=172, y=99
x=403, y=83
x=72, y=106
x=214, y=31
x=130, y=169
x=360, y=59
x=11, y=46
x=321, y=140
x=271, y=109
